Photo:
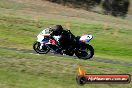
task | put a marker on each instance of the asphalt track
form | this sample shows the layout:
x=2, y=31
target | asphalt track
x=52, y=54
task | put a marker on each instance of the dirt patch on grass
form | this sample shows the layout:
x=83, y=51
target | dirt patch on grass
x=56, y=11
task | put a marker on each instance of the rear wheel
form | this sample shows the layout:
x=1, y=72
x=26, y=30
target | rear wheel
x=41, y=50
x=86, y=52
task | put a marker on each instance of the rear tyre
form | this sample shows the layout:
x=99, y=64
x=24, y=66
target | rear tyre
x=85, y=53
x=43, y=50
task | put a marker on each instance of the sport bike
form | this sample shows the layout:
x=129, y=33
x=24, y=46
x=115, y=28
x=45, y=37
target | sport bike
x=80, y=47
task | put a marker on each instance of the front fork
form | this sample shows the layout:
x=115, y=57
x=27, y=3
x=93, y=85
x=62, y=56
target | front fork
x=41, y=45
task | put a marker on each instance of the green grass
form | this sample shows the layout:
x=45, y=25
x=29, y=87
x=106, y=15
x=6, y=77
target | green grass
x=19, y=70
x=21, y=32
x=22, y=70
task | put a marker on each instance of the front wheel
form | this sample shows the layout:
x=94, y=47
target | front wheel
x=41, y=50
x=85, y=53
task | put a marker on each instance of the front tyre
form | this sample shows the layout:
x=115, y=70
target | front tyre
x=86, y=52
x=42, y=50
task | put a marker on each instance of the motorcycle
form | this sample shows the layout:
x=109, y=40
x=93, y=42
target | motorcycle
x=80, y=47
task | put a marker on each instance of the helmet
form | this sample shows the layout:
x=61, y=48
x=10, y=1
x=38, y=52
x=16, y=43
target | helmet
x=57, y=29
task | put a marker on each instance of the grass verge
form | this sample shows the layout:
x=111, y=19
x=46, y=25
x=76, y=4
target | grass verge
x=24, y=70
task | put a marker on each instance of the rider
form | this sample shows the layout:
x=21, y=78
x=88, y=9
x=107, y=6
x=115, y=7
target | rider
x=66, y=37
